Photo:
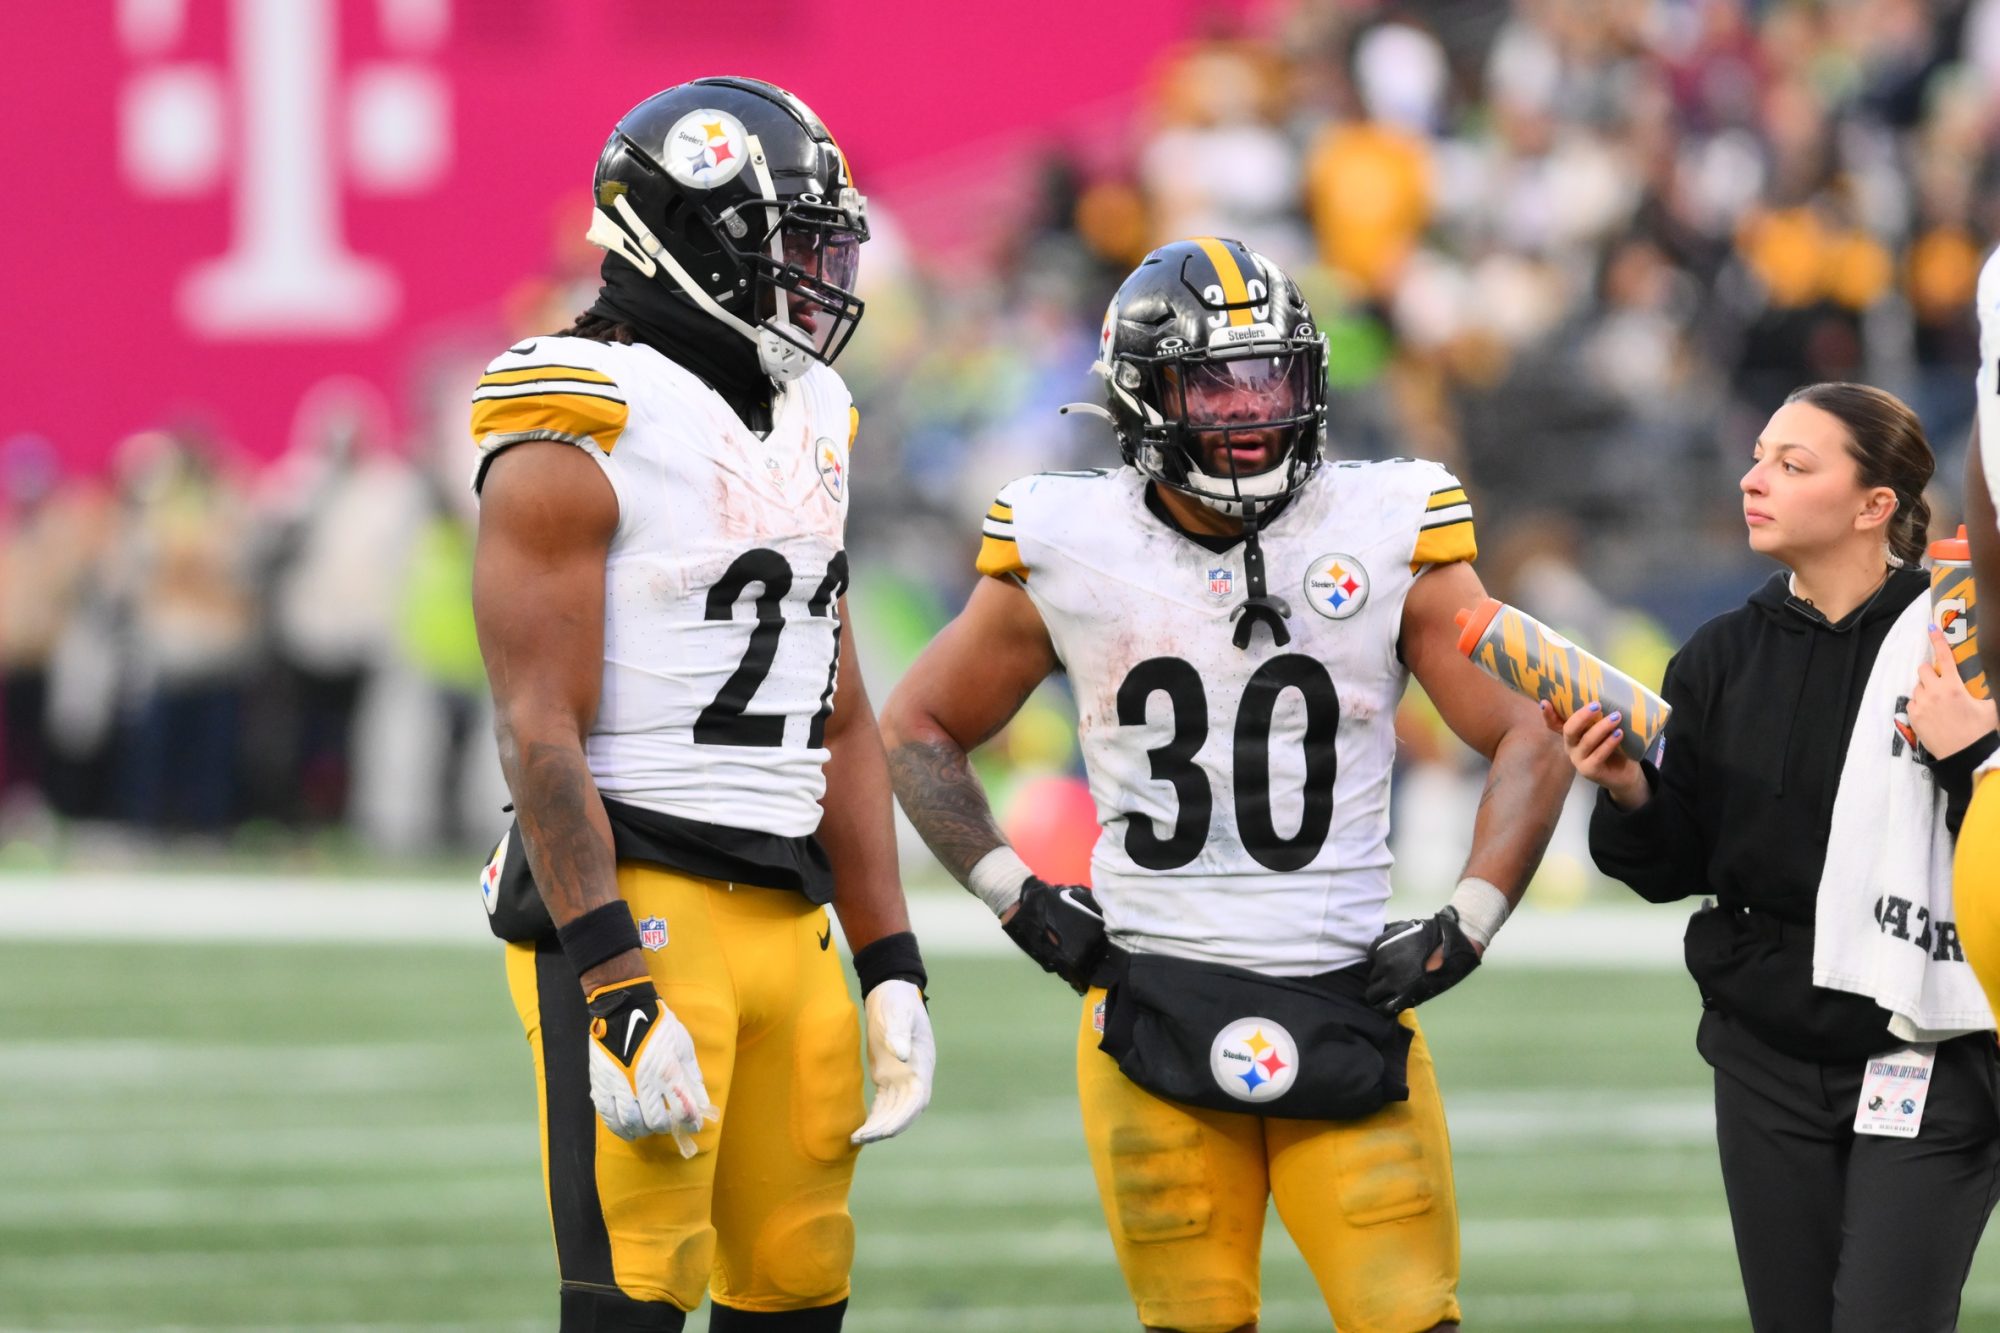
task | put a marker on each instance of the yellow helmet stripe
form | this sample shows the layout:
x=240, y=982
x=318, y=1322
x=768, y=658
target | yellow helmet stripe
x=1234, y=292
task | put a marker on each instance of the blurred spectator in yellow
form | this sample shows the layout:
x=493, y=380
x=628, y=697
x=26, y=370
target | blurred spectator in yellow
x=178, y=572
x=1368, y=187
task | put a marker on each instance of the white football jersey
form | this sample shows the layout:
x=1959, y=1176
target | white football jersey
x=1242, y=794
x=1988, y=378
x=723, y=580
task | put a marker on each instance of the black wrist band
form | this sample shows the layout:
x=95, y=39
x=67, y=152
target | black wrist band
x=616, y=996
x=891, y=958
x=598, y=936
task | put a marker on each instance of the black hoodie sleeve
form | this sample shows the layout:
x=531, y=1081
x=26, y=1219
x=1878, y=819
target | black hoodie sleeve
x=1954, y=774
x=1657, y=850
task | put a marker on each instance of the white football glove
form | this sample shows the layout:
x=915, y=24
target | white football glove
x=902, y=1058
x=643, y=1075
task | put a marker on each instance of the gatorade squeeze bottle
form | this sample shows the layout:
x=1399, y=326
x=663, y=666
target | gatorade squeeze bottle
x=1954, y=608
x=1530, y=658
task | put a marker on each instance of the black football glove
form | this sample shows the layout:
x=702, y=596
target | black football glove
x=1396, y=976
x=1060, y=927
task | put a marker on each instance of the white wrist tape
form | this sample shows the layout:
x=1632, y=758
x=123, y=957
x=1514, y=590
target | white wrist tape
x=998, y=878
x=1481, y=909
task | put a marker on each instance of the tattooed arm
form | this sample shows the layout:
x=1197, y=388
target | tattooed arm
x=971, y=679
x=1528, y=775
x=546, y=516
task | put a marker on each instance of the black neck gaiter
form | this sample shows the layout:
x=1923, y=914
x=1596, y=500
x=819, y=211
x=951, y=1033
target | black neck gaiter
x=689, y=337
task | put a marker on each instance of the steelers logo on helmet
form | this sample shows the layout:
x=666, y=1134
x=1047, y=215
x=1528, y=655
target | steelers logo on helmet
x=705, y=149
x=1254, y=1060
x=1336, y=585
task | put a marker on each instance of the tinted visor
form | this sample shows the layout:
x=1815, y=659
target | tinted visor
x=1239, y=392
x=810, y=264
x=829, y=258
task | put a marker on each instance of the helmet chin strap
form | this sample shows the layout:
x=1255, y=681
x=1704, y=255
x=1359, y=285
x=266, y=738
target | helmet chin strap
x=779, y=350
x=1262, y=606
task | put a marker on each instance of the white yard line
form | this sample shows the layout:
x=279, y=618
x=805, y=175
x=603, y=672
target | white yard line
x=277, y=909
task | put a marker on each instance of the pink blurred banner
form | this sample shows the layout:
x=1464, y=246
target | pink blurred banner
x=218, y=203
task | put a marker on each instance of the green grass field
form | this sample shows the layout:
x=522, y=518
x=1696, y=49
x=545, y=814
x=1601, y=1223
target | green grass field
x=311, y=1137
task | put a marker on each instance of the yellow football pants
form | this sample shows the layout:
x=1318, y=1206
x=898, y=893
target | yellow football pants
x=1368, y=1202
x=759, y=1216
x=1975, y=885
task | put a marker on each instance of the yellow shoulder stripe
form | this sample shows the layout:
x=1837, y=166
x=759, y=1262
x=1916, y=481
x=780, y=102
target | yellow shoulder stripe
x=1000, y=557
x=1445, y=499
x=1444, y=544
x=1234, y=292
x=1004, y=513
x=853, y=424
x=569, y=417
x=527, y=374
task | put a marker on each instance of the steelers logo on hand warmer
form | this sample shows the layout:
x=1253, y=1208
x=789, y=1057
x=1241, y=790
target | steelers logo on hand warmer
x=1254, y=1060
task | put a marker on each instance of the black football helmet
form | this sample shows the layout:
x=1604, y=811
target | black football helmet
x=1208, y=338
x=732, y=193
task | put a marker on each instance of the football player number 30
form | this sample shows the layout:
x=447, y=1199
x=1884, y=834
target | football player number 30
x=1174, y=762
x=728, y=720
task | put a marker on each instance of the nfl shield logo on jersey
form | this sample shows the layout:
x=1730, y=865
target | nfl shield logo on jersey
x=653, y=933
x=1221, y=582
x=1336, y=585
x=1254, y=1060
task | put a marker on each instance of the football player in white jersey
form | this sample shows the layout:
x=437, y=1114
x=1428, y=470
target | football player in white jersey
x=1976, y=867
x=1237, y=620
x=659, y=587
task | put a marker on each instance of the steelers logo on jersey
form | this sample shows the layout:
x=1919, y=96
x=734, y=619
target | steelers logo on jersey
x=705, y=149
x=1336, y=585
x=832, y=471
x=1254, y=1060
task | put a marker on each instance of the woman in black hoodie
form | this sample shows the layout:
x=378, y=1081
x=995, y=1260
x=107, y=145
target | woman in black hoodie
x=1834, y=1230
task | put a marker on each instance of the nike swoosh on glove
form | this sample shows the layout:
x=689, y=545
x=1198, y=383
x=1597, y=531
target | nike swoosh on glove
x=1061, y=927
x=1396, y=976
x=902, y=1059
x=643, y=1075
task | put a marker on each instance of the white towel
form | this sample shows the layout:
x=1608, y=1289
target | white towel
x=1884, y=923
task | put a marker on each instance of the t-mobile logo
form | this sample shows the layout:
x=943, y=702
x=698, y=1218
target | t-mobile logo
x=288, y=127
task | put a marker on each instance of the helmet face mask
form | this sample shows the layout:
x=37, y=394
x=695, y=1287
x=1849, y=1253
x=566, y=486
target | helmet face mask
x=1221, y=399
x=1234, y=423
x=731, y=194
x=802, y=272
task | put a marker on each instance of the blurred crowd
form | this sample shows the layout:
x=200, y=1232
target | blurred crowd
x=1575, y=249
x=192, y=647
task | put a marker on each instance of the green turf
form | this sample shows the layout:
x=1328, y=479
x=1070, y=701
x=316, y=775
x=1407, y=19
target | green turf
x=322, y=1138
